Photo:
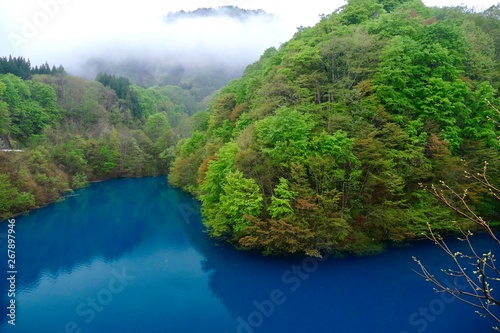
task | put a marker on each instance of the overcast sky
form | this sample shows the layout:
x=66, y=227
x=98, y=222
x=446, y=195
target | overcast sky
x=59, y=31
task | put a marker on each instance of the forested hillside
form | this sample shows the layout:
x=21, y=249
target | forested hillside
x=73, y=131
x=322, y=144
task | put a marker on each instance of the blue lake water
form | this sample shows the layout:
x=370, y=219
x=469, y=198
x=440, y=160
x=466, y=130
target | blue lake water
x=131, y=256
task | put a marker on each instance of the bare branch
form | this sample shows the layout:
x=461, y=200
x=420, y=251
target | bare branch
x=479, y=290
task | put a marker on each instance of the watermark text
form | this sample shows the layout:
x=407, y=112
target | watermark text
x=11, y=271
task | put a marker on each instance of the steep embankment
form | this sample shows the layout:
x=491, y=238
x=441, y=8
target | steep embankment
x=322, y=144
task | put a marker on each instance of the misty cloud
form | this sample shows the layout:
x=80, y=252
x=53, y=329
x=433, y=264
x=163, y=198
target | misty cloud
x=188, y=42
x=83, y=35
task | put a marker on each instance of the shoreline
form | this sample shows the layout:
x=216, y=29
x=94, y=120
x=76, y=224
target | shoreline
x=333, y=253
x=68, y=192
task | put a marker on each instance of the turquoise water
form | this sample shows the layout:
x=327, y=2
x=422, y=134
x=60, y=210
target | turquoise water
x=131, y=256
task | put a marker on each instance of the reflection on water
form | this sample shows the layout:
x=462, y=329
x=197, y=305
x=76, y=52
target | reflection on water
x=131, y=256
x=114, y=257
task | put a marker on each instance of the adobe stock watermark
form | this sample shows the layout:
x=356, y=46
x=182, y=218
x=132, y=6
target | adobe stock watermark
x=292, y=279
x=428, y=314
x=89, y=308
x=188, y=211
x=31, y=26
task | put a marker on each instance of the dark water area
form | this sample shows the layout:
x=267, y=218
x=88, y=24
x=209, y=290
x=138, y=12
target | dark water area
x=131, y=255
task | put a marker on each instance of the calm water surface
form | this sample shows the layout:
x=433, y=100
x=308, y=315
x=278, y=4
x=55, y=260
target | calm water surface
x=131, y=256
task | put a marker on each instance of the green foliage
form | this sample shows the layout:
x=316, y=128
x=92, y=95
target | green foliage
x=156, y=126
x=224, y=131
x=332, y=165
x=189, y=152
x=419, y=78
x=72, y=156
x=337, y=127
x=277, y=237
x=22, y=68
x=11, y=199
x=73, y=130
x=191, y=145
x=359, y=11
x=4, y=112
x=215, y=178
x=240, y=197
x=79, y=180
x=119, y=84
x=31, y=107
x=182, y=98
x=284, y=137
x=227, y=196
x=280, y=206
x=221, y=108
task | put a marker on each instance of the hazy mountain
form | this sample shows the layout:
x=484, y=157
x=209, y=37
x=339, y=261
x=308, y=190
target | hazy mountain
x=206, y=47
x=224, y=11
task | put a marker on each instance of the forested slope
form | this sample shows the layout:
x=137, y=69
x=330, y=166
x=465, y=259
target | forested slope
x=74, y=131
x=322, y=144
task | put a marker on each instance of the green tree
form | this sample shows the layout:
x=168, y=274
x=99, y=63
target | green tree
x=278, y=237
x=212, y=186
x=11, y=200
x=102, y=157
x=358, y=11
x=156, y=126
x=189, y=157
x=284, y=137
x=27, y=115
x=280, y=206
x=4, y=112
x=240, y=197
x=72, y=156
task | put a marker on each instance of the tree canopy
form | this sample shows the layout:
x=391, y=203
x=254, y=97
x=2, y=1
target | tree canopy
x=330, y=135
x=73, y=131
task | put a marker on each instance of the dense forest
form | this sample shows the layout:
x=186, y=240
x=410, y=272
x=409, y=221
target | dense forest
x=21, y=67
x=321, y=145
x=72, y=131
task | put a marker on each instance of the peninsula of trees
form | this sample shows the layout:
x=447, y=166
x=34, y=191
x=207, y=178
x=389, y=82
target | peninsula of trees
x=322, y=144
